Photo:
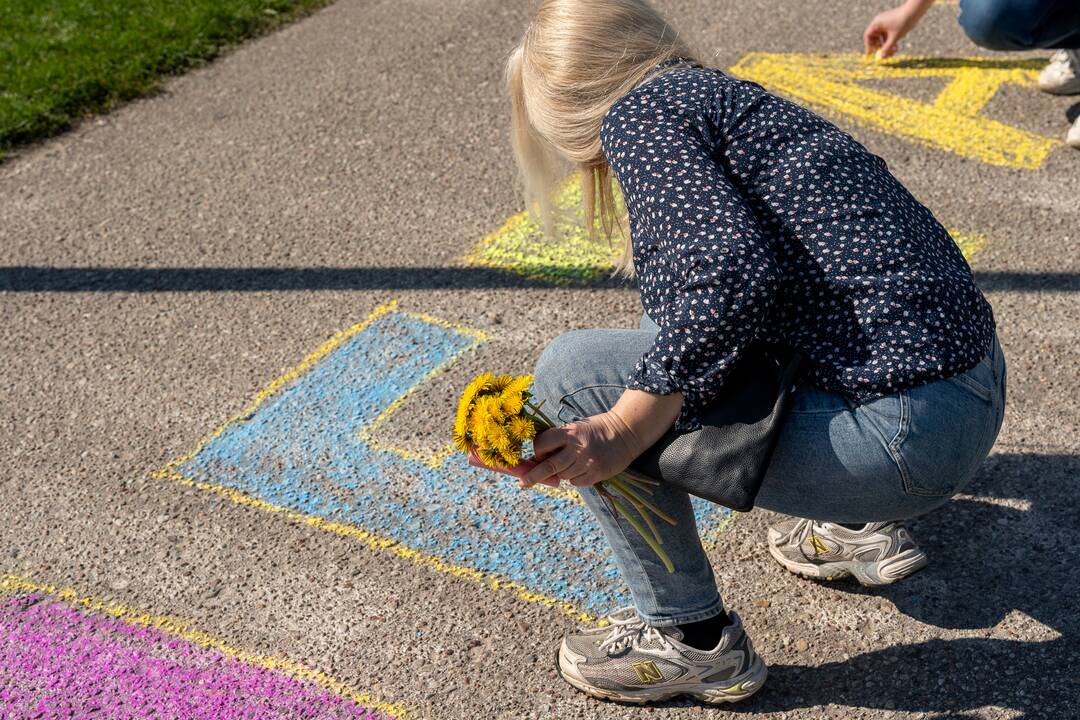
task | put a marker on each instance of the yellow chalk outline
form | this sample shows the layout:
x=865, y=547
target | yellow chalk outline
x=182, y=629
x=573, y=258
x=829, y=83
x=970, y=243
x=439, y=457
x=373, y=541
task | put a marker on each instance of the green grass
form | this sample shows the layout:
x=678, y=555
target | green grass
x=61, y=60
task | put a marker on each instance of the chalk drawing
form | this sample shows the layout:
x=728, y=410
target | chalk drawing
x=300, y=451
x=953, y=122
x=63, y=654
x=568, y=256
x=521, y=246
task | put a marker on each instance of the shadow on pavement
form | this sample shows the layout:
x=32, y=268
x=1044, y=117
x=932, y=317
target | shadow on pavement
x=987, y=561
x=241, y=279
x=256, y=279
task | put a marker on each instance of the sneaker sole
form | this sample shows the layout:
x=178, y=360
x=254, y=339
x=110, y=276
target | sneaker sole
x=1069, y=88
x=731, y=690
x=868, y=574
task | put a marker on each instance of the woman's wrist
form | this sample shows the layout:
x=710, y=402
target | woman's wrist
x=644, y=417
x=916, y=9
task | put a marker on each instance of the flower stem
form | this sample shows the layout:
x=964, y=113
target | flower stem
x=640, y=478
x=536, y=409
x=634, y=497
x=651, y=541
x=647, y=517
x=631, y=482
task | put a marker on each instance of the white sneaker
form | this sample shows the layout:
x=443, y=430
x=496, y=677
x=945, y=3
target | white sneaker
x=877, y=554
x=1073, y=138
x=1061, y=75
x=632, y=662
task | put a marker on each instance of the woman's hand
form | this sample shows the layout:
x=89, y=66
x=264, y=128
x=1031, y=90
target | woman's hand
x=584, y=452
x=602, y=446
x=885, y=31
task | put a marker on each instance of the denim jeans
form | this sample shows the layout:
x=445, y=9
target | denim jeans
x=892, y=458
x=1021, y=24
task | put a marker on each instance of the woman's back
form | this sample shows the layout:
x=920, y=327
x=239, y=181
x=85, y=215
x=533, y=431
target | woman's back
x=789, y=230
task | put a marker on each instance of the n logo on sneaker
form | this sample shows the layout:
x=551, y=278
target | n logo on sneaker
x=820, y=548
x=647, y=672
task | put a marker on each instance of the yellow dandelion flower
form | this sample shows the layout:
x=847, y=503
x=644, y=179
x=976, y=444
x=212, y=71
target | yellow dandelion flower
x=490, y=457
x=511, y=455
x=490, y=407
x=481, y=384
x=521, y=428
x=501, y=382
x=461, y=440
x=512, y=397
x=511, y=403
x=461, y=427
x=519, y=384
x=478, y=428
x=497, y=437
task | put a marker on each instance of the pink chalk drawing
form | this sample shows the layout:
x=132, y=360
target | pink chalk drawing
x=57, y=661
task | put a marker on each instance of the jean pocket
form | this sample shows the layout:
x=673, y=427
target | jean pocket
x=945, y=442
x=972, y=384
x=979, y=380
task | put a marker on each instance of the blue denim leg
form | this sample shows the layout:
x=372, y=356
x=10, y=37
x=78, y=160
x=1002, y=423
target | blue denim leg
x=1021, y=24
x=897, y=457
x=583, y=373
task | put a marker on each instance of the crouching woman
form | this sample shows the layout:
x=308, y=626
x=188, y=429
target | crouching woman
x=750, y=218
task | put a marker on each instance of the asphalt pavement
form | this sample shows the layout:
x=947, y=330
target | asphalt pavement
x=236, y=314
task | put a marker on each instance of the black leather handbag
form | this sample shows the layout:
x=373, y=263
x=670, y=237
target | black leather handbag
x=726, y=459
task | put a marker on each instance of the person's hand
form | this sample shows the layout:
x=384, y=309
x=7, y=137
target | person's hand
x=883, y=34
x=584, y=452
x=517, y=471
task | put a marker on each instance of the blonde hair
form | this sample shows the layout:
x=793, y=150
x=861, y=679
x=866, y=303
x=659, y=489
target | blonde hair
x=576, y=59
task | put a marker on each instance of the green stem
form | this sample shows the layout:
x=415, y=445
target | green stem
x=536, y=409
x=638, y=477
x=606, y=496
x=637, y=485
x=646, y=516
x=636, y=524
x=633, y=496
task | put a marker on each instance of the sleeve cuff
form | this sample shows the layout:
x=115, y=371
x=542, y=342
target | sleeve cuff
x=650, y=378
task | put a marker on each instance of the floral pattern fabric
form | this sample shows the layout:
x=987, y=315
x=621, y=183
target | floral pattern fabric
x=754, y=218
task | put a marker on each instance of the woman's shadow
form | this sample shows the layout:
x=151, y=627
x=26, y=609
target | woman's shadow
x=1009, y=550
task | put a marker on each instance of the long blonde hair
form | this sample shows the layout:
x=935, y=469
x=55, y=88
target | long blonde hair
x=576, y=59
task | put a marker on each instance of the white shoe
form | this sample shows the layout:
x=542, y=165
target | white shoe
x=634, y=663
x=877, y=554
x=1061, y=75
x=1073, y=138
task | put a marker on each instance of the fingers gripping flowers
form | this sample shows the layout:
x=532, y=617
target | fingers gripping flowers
x=496, y=417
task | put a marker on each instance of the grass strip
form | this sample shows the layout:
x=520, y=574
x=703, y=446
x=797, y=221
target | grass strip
x=61, y=60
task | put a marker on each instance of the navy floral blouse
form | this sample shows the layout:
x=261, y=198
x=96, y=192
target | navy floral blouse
x=752, y=217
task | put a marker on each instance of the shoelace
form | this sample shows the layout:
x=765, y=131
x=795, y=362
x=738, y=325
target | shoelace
x=627, y=630
x=1069, y=58
x=802, y=530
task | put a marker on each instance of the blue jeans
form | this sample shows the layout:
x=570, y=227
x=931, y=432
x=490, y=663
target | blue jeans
x=1021, y=24
x=892, y=458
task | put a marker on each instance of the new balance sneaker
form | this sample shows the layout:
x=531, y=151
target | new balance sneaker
x=1061, y=75
x=877, y=554
x=634, y=662
x=1073, y=138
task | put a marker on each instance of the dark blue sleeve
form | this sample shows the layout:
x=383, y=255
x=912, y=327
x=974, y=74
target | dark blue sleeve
x=715, y=265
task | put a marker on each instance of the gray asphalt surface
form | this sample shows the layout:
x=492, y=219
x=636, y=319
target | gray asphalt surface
x=361, y=153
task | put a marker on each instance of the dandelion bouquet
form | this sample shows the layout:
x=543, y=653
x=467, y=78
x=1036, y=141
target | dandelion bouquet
x=496, y=416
